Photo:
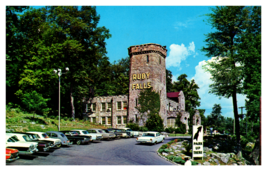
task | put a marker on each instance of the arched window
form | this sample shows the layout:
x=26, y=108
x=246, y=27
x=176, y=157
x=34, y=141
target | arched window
x=147, y=59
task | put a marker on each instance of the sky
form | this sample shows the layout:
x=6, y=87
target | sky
x=181, y=29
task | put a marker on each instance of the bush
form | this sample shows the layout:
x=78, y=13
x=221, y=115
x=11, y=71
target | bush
x=133, y=126
x=187, y=145
x=194, y=163
x=178, y=160
x=164, y=146
x=170, y=157
x=143, y=128
x=155, y=122
x=169, y=129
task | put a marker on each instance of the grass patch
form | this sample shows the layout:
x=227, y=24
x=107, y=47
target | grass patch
x=174, y=135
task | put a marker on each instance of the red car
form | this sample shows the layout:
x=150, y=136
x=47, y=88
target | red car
x=12, y=154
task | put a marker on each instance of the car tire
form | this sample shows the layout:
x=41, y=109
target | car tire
x=78, y=142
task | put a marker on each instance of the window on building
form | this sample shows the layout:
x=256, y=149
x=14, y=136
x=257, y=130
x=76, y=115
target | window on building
x=119, y=105
x=109, y=120
x=171, y=122
x=88, y=107
x=103, y=107
x=147, y=59
x=103, y=120
x=159, y=60
x=118, y=119
x=124, y=119
x=94, y=119
x=109, y=106
x=124, y=105
x=93, y=107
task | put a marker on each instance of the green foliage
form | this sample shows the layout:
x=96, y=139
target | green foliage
x=178, y=160
x=168, y=81
x=194, y=163
x=170, y=157
x=35, y=102
x=169, y=129
x=187, y=145
x=133, y=126
x=149, y=101
x=215, y=119
x=155, y=122
x=164, y=146
x=143, y=129
x=181, y=127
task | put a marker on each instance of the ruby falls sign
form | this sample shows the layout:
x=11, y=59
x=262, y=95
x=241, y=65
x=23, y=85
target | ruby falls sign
x=197, y=141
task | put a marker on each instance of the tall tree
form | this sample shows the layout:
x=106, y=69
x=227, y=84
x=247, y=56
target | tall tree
x=168, y=80
x=250, y=57
x=215, y=118
x=229, y=22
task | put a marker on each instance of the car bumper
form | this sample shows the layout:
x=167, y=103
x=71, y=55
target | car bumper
x=44, y=149
x=12, y=159
x=145, y=142
x=29, y=152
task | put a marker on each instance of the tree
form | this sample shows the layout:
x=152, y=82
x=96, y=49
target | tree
x=223, y=43
x=181, y=126
x=215, y=119
x=35, y=102
x=154, y=122
x=250, y=57
x=168, y=80
x=149, y=106
x=58, y=37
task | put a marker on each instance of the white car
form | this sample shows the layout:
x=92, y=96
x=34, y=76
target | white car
x=150, y=137
x=132, y=133
x=86, y=133
x=43, y=136
x=95, y=136
x=23, y=147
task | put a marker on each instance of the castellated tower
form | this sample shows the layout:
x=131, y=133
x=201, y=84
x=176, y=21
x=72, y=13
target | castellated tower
x=147, y=69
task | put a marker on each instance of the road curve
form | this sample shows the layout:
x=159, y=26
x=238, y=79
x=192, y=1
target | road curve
x=112, y=152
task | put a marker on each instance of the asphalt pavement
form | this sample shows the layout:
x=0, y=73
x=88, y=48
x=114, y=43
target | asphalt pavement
x=106, y=152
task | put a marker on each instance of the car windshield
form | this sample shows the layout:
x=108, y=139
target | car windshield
x=10, y=140
x=45, y=135
x=26, y=138
x=148, y=135
x=15, y=139
x=100, y=131
x=85, y=132
x=62, y=135
x=111, y=131
x=105, y=131
x=128, y=130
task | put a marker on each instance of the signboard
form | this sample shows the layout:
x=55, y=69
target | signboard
x=197, y=141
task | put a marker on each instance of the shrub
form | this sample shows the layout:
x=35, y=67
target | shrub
x=170, y=157
x=143, y=128
x=178, y=160
x=169, y=129
x=187, y=145
x=160, y=150
x=194, y=163
x=164, y=146
x=133, y=126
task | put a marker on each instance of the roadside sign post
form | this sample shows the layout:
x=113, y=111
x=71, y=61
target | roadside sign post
x=197, y=141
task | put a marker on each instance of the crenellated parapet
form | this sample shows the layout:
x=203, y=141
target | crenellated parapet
x=147, y=48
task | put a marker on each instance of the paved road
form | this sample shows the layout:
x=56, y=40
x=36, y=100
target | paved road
x=112, y=152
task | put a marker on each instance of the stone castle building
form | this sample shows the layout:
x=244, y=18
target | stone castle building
x=147, y=69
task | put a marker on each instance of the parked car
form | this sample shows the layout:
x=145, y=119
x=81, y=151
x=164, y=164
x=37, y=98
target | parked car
x=23, y=147
x=104, y=134
x=34, y=138
x=41, y=146
x=115, y=131
x=150, y=137
x=132, y=133
x=111, y=134
x=94, y=137
x=98, y=136
x=59, y=135
x=43, y=136
x=12, y=154
x=74, y=137
x=124, y=133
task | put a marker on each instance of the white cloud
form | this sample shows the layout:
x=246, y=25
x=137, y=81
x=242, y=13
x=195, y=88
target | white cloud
x=179, y=53
x=208, y=100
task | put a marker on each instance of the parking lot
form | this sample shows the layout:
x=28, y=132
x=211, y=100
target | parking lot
x=106, y=152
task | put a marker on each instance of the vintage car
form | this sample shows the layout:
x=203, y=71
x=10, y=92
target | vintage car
x=94, y=136
x=41, y=146
x=132, y=133
x=74, y=137
x=111, y=134
x=115, y=131
x=23, y=147
x=44, y=137
x=59, y=135
x=12, y=154
x=34, y=138
x=150, y=137
x=124, y=134
x=104, y=134
x=94, y=133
